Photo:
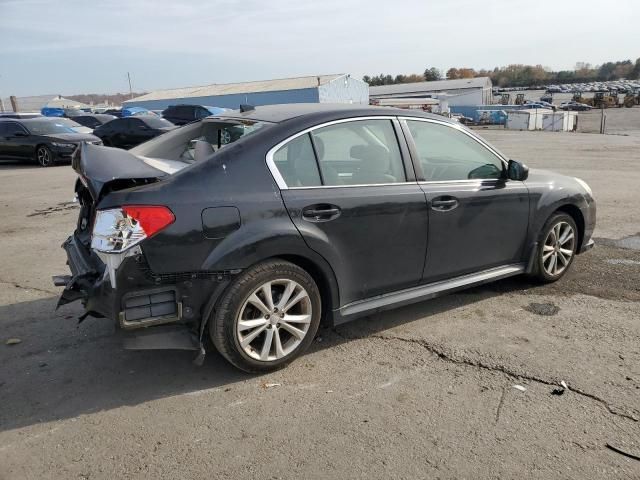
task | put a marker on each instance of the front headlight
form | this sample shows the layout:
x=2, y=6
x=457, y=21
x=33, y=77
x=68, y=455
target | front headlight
x=64, y=145
x=584, y=185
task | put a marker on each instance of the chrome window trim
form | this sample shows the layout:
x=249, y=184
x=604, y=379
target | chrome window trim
x=283, y=185
x=276, y=173
x=352, y=186
x=467, y=132
x=479, y=181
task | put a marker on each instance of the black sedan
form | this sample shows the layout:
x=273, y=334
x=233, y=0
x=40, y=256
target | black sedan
x=44, y=140
x=315, y=213
x=93, y=120
x=127, y=132
x=575, y=106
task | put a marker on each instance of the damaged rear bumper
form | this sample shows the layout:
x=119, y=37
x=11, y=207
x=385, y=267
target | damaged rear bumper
x=85, y=272
x=153, y=311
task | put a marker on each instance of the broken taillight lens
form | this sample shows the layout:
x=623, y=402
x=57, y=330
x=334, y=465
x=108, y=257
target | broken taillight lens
x=118, y=229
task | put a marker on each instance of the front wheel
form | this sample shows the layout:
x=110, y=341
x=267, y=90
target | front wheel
x=267, y=317
x=44, y=157
x=557, y=248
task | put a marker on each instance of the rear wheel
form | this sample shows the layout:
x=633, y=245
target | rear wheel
x=557, y=248
x=267, y=317
x=44, y=157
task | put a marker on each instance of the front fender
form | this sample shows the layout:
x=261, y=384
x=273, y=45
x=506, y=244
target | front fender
x=551, y=192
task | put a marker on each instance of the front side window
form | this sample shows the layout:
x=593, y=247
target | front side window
x=12, y=129
x=359, y=152
x=446, y=154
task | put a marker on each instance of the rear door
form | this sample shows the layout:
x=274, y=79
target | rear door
x=351, y=191
x=478, y=219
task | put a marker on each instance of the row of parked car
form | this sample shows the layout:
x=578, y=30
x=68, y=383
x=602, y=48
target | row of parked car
x=47, y=140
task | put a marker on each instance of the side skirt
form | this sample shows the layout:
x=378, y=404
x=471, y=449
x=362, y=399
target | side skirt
x=423, y=292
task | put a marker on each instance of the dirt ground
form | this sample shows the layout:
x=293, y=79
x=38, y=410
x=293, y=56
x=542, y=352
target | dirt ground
x=426, y=391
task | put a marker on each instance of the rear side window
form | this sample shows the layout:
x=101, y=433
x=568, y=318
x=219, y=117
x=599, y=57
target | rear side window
x=363, y=152
x=359, y=152
x=447, y=154
x=296, y=163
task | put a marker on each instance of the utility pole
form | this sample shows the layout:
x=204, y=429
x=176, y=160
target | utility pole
x=130, y=91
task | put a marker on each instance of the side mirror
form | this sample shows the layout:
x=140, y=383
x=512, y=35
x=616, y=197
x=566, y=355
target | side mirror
x=20, y=134
x=517, y=171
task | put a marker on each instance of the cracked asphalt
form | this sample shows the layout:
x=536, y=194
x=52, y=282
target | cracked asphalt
x=426, y=391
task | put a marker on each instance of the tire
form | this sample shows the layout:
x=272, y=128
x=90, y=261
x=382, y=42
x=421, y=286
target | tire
x=555, y=254
x=44, y=156
x=260, y=335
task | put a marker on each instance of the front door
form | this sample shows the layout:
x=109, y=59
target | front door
x=478, y=219
x=14, y=141
x=348, y=193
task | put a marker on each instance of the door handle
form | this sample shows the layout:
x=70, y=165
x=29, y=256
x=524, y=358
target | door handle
x=321, y=213
x=444, y=204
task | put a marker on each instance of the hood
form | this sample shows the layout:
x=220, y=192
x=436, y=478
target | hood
x=73, y=137
x=100, y=167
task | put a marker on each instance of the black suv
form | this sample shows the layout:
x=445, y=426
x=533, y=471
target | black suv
x=183, y=114
x=314, y=213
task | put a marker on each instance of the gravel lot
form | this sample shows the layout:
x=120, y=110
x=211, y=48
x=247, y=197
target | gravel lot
x=426, y=391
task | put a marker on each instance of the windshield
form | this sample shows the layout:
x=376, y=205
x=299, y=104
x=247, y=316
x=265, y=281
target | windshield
x=156, y=122
x=49, y=127
x=179, y=144
x=68, y=123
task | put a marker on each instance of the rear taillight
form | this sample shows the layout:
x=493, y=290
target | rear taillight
x=118, y=229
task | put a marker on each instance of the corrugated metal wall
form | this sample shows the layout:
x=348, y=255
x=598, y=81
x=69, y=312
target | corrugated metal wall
x=344, y=89
x=307, y=95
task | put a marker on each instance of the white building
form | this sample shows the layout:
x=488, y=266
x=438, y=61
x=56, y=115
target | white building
x=460, y=92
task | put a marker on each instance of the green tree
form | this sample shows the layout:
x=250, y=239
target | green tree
x=432, y=74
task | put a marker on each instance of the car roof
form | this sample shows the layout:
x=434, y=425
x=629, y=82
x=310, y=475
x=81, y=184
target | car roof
x=30, y=120
x=283, y=112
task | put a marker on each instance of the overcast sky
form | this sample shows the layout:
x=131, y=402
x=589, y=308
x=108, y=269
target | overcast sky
x=83, y=46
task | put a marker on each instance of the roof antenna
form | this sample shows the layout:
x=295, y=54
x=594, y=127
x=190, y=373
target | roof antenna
x=246, y=108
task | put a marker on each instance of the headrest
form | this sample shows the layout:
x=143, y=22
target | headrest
x=375, y=156
x=202, y=150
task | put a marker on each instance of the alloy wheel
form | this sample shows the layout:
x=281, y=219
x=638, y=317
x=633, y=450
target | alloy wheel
x=43, y=156
x=558, y=249
x=274, y=320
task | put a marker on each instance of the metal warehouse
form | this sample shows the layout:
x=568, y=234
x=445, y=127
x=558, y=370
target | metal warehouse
x=340, y=88
x=459, y=92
